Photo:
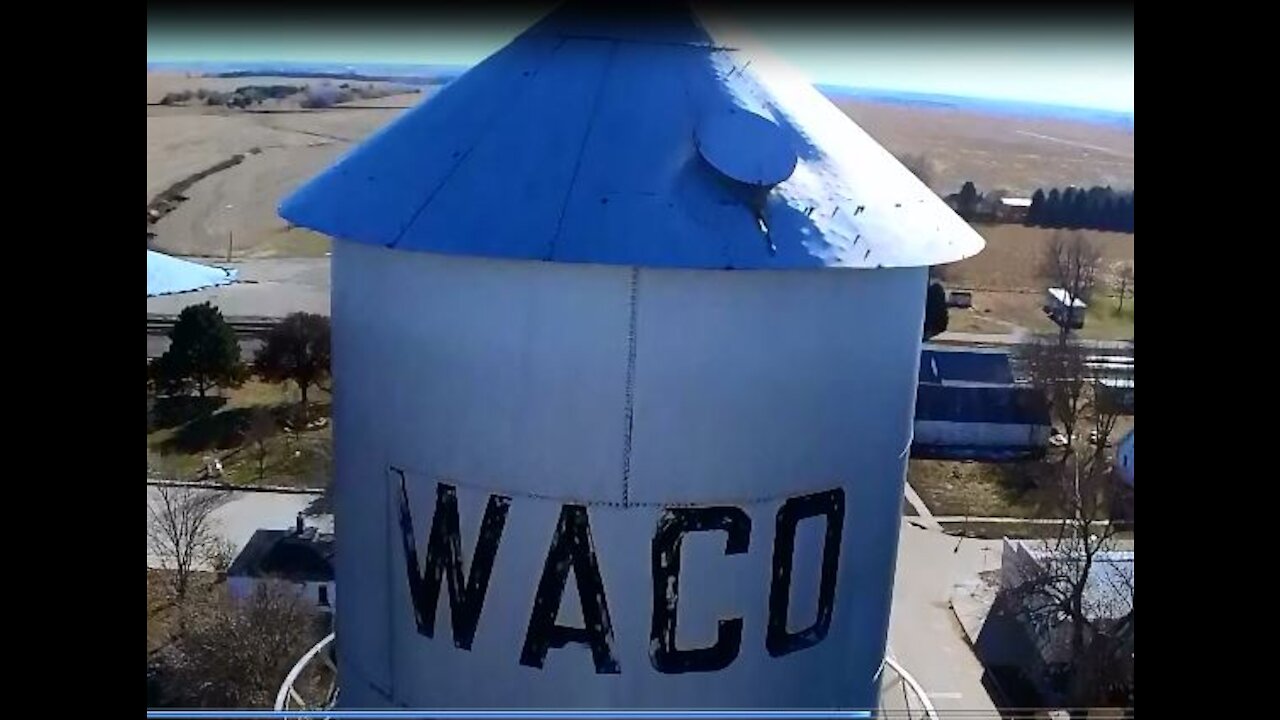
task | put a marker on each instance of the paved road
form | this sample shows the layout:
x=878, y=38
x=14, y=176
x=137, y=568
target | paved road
x=924, y=634
x=269, y=287
x=962, y=338
x=157, y=344
x=245, y=512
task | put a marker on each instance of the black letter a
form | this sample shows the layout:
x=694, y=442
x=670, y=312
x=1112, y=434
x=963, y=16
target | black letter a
x=444, y=557
x=571, y=547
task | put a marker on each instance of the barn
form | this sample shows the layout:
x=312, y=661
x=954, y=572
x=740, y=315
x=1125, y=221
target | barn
x=968, y=406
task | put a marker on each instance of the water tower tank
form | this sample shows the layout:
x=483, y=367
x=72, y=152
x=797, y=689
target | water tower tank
x=626, y=331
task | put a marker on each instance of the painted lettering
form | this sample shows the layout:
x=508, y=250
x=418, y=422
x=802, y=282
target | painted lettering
x=444, y=559
x=673, y=525
x=829, y=504
x=571, y=548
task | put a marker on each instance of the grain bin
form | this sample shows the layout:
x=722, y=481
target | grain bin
x=626, y=325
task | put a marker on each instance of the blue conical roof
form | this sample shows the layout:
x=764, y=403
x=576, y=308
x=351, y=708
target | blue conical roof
x=655, y=143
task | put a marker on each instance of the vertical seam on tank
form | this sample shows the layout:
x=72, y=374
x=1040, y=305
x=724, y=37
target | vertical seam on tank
x=630, y=397
x=388, y=537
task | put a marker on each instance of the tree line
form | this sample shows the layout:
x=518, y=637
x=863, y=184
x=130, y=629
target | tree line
x=1098, y=208
x=312, y=97
x=204, y=354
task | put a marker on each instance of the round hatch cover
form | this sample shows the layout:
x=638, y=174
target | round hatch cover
x=745, y=147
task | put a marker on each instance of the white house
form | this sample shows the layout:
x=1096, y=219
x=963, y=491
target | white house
x=1124, y=459
x=1039, y=651
x=301, y=556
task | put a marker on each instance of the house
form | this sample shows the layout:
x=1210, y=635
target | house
x=1064, y=309
x=1032, y=659
x=300, y=555
x=1013, y=209
x=1122, y=491
x=1124, y=459
x=968, y=406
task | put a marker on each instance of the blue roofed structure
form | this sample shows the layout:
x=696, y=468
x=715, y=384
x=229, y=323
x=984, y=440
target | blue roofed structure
x=167, y=275
x=653, y=141
x=968, y=406
x=981, y=365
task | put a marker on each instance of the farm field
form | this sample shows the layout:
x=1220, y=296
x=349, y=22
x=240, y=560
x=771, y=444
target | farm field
x=236, y=205
x=1018, y=154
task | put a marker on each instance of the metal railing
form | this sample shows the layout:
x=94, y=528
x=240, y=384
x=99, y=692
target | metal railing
x=922, y=707
x=288, y=698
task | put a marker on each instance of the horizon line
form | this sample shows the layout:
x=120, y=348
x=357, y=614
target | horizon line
x=266, y=64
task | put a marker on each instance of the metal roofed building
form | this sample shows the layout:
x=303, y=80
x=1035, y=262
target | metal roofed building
x=1036, y=653
x=622, y=273
x=167, y=275
x=301, y=556
x=968, y=406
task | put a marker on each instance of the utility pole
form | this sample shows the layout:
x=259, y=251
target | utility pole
x=230, y=238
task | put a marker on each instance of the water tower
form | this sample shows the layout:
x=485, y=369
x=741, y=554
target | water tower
x=626, y=328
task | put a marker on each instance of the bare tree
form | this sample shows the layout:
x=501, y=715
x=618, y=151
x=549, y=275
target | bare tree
x=1071, y=262
x=922, y=166
x=180, y=531
x=262, y=426
x=238, y=654
x=1122, y=282
x=1078, y=599
x=1074, y=601
x=1057, y=368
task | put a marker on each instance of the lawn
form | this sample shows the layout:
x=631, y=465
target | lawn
x=1018, y=531
x=1022, y=489
x=1007, y=294
x=980, y=489
x=185, y=432
x=1103, y=322
x=1000, y=311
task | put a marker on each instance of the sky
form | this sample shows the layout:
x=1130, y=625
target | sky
x=1073, y=60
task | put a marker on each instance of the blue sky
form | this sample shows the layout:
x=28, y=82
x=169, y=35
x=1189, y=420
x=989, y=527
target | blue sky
x=1055, y=63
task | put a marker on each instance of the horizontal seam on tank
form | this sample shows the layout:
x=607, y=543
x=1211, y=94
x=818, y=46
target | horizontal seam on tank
x=759, y=500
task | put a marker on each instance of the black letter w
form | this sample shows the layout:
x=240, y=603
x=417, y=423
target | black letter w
x=444, y=557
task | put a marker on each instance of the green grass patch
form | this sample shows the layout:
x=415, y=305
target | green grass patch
x=1103, y=322
x=184, y=433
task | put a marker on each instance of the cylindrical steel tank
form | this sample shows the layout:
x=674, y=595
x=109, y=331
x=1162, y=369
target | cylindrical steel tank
x=624, y=364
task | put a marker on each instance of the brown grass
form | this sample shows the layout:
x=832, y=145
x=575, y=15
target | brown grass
x=980, y=489
x=996, y=151
x=1013, y=254
x=205, y=590
x=281, y=151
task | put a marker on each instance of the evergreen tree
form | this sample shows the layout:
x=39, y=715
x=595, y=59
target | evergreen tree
x=935, y=310
x=203, y=352
x=968, y=200
x=1053, y=209
x=1035, y=214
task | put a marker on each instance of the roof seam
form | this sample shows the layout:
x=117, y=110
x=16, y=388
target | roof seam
x=444, y=180
x=638, y=41
x=582, y=147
